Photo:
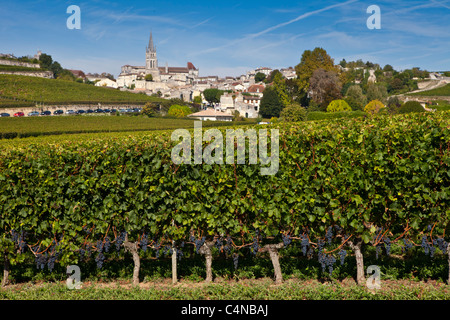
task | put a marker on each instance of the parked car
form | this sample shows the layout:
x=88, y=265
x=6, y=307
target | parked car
x=98, y=111
x=46, y=113
x=80, y=111
x=113, y=110
x=89, y=111
x=33, y=114
x=19, y=114
x=70, y=112
x=106, y=111
x=4, y=114
x=58, y=112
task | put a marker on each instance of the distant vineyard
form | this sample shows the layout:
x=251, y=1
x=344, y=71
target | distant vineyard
x=53, y=91
x=439, y=92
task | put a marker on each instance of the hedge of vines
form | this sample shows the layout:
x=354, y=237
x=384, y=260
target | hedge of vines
x=341, y=185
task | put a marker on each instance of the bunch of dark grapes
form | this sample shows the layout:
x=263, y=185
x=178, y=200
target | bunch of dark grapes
x=144, y=242
x=432, y=251
x=51, y=262
x=167, y=250
x=107, y=244
x=219, y=243
x=199, y=243
x=330, y=263
x=99, y=259
x=41, y=260
x=120, y=239
x=99, y=246
x=408, y=245
x=329, y=235
x=235, y=260
x=342, y=255
x=286, y=239
x=179, y=254
x=304, y=243
x=425, y=245
x=322, y=260
x=377, y=250
x=442, y=244
x=387, y=242
x=19, y=240
x=255, y=246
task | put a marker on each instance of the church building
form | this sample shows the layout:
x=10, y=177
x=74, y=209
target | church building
x=163, y=78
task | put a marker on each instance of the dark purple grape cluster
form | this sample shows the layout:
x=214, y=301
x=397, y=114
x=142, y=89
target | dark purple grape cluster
x=144, y=242
x=329, y=235
x=107, y=244
x=408, y=245
x=425, y=245
x=442, y=244
x=41, y=260
x=235, y=260
x=199, y=243
x=219, y=243
x=387, y=243
x=228, y=245
x=120, y=239
x=99, y=259
x=342, y=255
x=286, y=239
x=255, y=246
x=305, y=244
x=19, y=240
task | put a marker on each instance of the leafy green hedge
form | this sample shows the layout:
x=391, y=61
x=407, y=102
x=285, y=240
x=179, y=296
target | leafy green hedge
x=319, y=115
x=342, y=186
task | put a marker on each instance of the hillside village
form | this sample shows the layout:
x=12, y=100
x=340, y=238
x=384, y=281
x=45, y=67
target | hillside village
x=238, y=95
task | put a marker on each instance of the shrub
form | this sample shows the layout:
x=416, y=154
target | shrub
x=411, y=106
x=293, y=113
x=373, y=107
x=338, y=106
x=179, y=111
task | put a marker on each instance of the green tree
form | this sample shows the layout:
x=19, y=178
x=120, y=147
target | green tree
x=271, y=76
x=293, y=113
x=310, y=62
x=338, y=106
x=212, y=95
x=355, y=97
x=149, y=109
x=56, y=69
x=271, y=105
x=393, y=104
x=376, y=91
x=260, y=77
x=148, y=77
x=45, y=60
x=280, y=88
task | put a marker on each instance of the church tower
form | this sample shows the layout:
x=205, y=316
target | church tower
x=151, y=61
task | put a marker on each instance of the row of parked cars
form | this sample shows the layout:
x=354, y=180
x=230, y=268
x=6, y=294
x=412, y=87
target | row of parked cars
x=72, y=112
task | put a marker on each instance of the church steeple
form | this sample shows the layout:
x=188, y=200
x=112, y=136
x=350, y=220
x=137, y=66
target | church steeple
x=151, y=61
x=151, y=47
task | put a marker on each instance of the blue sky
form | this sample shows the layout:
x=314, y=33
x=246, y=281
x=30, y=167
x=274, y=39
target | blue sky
x=228, y=37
